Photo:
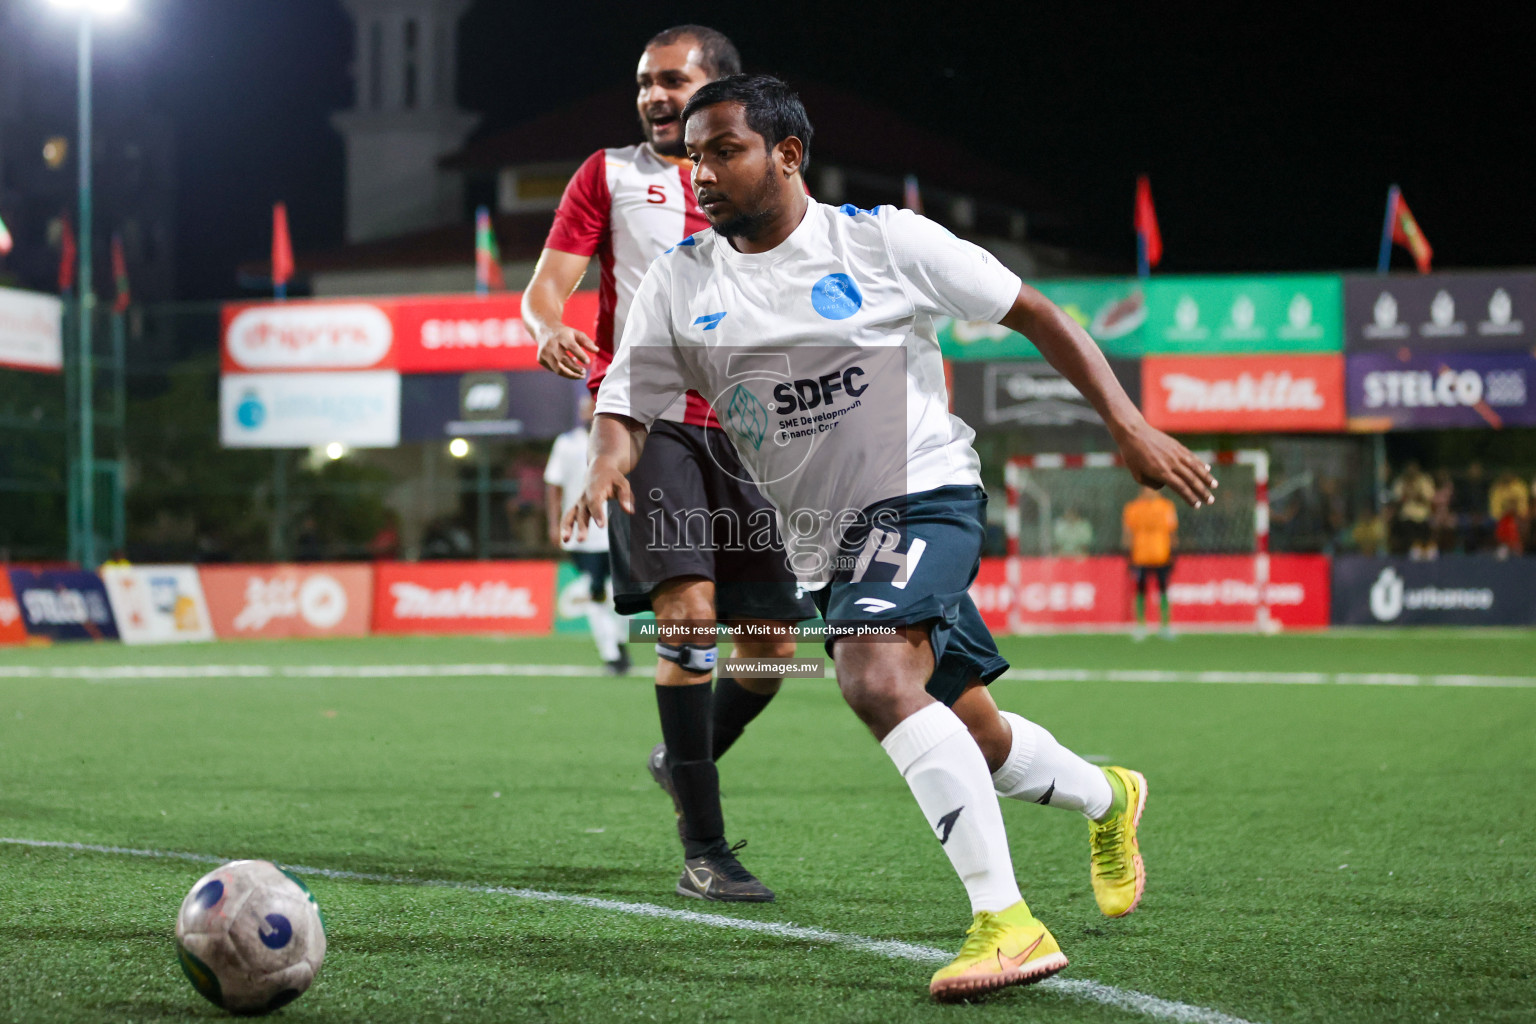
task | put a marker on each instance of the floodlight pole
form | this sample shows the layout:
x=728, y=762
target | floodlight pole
x=87, y=525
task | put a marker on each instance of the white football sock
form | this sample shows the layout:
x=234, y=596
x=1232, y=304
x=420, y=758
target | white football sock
x=1043, y=771
x=606, y=629
x=948, y=776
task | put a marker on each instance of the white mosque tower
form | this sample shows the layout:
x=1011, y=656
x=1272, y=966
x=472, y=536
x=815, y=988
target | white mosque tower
x=403, y=117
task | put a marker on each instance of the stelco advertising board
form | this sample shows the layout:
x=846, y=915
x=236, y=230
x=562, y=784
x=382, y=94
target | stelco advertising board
x=1414, y=390
x=1440, y=312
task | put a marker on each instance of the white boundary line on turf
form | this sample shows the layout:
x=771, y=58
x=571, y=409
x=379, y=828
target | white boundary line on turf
x=133, y=673
x=1084, y=989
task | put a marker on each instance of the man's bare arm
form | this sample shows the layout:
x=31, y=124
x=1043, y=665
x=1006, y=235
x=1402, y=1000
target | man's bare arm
x=612, y=452
x=554, y=498
x=1152, y=456
x=562, y=349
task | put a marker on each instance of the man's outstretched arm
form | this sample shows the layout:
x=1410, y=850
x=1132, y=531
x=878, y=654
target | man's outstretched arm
x=612, y=452
x=1152, y=456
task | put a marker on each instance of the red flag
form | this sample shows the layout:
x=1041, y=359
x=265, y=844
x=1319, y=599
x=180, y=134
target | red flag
x=1406, y=233
x=124, y=296
x=67, y=256
x=282, y=248
x=1150, y=237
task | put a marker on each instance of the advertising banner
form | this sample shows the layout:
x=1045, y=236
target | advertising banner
x=12, y=629
x=1243, y=394
x=999, y=395
x=412, y=333
x=1275, y=313
x=1112, y=311
x=63, y=604
x=1420, y=389
x=30, y=330
x=157, y=604
x=320, y=599
x=298, y=410
x=533, y=404
x=1452, y=590
x=464, y=597
x=1205, y=590
x=1440, y=312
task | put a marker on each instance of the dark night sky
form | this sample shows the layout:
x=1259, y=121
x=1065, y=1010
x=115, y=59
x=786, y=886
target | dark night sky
x=1270, y=141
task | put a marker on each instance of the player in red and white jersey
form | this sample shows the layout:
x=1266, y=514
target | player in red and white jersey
x=693, y=551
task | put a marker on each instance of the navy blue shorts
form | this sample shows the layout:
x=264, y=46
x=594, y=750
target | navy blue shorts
x=911, y=561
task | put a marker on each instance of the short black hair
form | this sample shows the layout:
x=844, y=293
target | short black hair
x=718, y=53
x=771, y=106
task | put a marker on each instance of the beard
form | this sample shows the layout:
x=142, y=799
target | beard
x=675, y=148
x=754, y=214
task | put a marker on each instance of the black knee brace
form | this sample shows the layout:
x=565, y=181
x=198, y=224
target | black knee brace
x=692, y=657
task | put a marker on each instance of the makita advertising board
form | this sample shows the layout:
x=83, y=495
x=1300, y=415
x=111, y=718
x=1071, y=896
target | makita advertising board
x=1418, y=389
x=464, y=597
x=1000, y=395
x=1452, y=590
x=1244, y=394
x=412, y=334
x=488, y=403
x=63, y=604
x=1440, y=312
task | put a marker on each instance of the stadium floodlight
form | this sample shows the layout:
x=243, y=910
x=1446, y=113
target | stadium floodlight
x=458, y=447
x=335, y=450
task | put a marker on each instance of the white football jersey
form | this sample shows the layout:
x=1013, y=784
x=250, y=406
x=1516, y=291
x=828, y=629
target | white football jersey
x=819, y=358
x=567, y=470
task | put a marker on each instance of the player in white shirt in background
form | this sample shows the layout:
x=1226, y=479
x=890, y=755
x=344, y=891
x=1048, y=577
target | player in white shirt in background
x=564, y=475
x=810, y=330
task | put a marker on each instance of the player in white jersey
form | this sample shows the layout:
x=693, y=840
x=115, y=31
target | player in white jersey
x=810, y=329
x=564, y=474
x=626, y=206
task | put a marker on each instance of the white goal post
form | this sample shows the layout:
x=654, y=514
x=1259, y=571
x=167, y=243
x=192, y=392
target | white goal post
x=1035, y=501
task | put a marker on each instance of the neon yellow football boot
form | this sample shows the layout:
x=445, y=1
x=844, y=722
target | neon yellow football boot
x=1002, y=948
x=1119, y=877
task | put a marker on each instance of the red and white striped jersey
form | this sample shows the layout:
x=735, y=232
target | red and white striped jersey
x=627, y=206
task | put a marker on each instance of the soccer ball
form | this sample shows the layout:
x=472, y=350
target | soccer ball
x=249, y=937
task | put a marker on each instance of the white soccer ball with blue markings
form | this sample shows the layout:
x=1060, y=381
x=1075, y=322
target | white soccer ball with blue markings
x=250, y=937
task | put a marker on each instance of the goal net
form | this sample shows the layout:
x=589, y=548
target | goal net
x=1069, y=507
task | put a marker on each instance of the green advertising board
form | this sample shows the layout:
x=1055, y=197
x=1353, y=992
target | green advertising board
x=1275, y=313
x=1112, y=310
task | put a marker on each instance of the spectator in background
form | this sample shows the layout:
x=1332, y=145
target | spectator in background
x=385, y=545
x=1509, y=505
x=1413, y=495
x=1072, y=534
x=1470, y=503
x=1442, y=520
x=1369, y=534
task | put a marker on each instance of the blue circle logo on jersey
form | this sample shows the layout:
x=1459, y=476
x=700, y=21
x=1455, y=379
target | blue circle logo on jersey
x=836, y=297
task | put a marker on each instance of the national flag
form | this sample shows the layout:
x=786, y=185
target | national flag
x=6, y=242
x=487, y=254
x=67, y=256
x=1149, y=240
x=124, y=297
x=911, y=198
x=1405, y=230
x=282, y=247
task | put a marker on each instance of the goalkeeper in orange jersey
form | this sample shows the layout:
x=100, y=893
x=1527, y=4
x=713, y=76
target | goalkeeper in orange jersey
x=1151, y=535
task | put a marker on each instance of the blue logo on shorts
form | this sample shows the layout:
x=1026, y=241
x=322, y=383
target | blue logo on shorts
x=250, y=412
x=281, y=932
x=836, y=297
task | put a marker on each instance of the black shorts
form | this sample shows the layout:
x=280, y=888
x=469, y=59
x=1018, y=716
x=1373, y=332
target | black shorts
x=593, y=565
x=699, y=513
x=921, y=576
x=1157, y=572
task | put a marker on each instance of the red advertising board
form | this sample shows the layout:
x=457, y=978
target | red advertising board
x=12, y=629
x=464, y=597
x=1237, y=394
x=1206, y=590
x=412, y=334
x=319, y=599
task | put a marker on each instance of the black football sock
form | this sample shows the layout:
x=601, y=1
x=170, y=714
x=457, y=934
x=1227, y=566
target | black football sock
x=734, y=707
x=685, y=728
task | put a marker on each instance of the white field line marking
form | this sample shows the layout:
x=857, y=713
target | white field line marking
x=132, y=673
x=1088, y=990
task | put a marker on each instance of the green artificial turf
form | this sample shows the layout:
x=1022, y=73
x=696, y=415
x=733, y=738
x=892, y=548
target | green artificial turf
x=1316, y=853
